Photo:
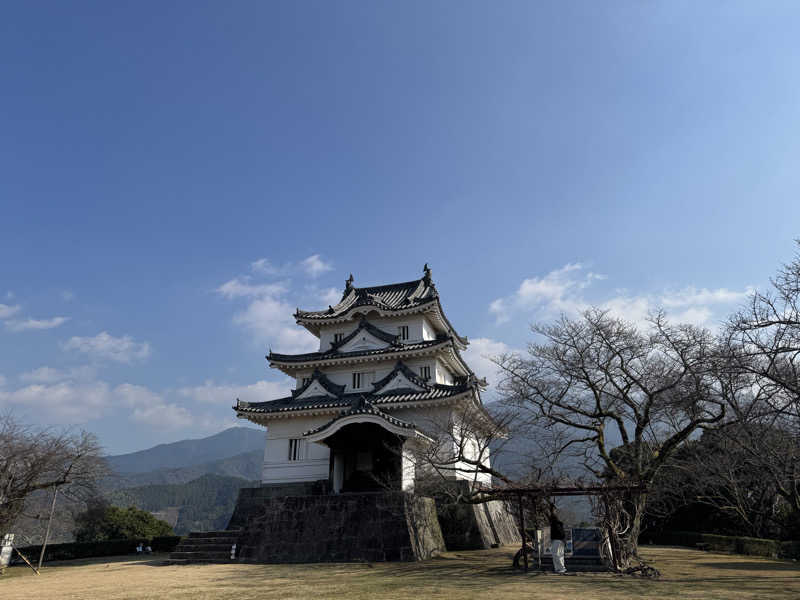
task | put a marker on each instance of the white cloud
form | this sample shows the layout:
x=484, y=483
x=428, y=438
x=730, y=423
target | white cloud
x=270, y=320
x=7, y=311
x=267, y=316
x=226, y=394
x=150, y=408
x=557, y=291
x=65, y=402
x=563, y=291
x=331, y=296
x=314, y=266
x=479, y=355
x=264, y=267
x=105, y=346
x=36, y=324
x=240, y=287
x=50, y=375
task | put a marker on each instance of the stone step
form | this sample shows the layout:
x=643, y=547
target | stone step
x=210, y=541
x=197, y=561
x=223, y=556
x=211, y=534
x=215, y=547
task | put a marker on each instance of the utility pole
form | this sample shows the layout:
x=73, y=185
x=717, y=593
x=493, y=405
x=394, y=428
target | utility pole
x=49, y=522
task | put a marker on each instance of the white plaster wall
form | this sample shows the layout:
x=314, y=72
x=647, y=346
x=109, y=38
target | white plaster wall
x=277, y=466
x=344, y=375
x=443, y=374
x=419, y=328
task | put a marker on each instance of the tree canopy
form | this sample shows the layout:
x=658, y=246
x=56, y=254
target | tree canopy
x=104, y=522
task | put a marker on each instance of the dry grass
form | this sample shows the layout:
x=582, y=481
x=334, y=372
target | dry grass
x=463, y=575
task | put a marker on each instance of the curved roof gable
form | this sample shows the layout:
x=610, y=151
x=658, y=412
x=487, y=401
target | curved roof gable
x=371, y=339
x=416, y=295
x=318, y=386
x=401, y=379
x=360, y=411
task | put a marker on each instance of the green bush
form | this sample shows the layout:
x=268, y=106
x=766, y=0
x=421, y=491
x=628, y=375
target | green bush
x=72, y=550
x=103, y=522
x=789, y=550
x=724, y=543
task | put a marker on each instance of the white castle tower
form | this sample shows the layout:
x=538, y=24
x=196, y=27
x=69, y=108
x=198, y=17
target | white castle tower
x=388, y=375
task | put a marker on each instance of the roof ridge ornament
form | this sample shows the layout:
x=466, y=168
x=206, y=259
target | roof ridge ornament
x=427, y=270
x=348, y=283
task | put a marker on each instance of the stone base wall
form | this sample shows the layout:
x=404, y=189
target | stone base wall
x=478, y=526
x=337, y=528
x=251, y=500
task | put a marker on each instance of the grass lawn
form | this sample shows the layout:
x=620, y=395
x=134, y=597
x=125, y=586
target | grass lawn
x=456, y=575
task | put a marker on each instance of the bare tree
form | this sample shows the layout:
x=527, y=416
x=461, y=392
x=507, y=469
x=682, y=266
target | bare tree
x=763, y=345
x=717, y=481
x=599, y=382
x=33, y=459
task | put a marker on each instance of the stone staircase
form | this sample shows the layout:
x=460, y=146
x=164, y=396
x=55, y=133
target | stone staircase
x=206, y=547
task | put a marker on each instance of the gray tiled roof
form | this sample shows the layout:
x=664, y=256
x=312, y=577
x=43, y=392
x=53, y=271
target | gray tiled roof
x=395, y=296
x=333, y=354
x=362, y=406
x=289, y=404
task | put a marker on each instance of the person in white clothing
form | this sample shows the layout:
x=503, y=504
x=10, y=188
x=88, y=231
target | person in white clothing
x=557, y=541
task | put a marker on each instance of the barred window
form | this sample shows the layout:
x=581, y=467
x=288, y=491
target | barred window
x=337, y=337
x=362, y=380
x=403, y=332
x=425, y=373
x=296, y=448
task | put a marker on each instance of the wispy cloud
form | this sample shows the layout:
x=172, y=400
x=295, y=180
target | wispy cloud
x=47, y=374
x=564, y=291
x=314, y=266
x=226, y=394
x=242, y=287
x=36, y=324
x=267, y=314
x=479, y=355
x=105, y=346
x=66, y=401
x=7, y=311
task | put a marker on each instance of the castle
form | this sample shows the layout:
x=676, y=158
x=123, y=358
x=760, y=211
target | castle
x=341, y=459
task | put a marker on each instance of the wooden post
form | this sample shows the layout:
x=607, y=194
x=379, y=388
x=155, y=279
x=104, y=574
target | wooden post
x=522, y=530
x=27, y=562
x=47, y=531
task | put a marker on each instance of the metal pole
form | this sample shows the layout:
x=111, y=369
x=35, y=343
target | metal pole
x=49, y=522
x=522, y=529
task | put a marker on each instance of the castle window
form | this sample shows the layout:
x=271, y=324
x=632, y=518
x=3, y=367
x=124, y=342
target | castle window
x=337, y=337
x=425, y=373
x=362, y=380
x=306, y=381
x=403, y=332
x=296, y=449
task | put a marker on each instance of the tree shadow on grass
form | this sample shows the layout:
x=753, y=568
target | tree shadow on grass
x=752, y=566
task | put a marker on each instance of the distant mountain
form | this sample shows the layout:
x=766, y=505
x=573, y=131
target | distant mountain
x=247, y=466
x=203, y=504
x=190, y=453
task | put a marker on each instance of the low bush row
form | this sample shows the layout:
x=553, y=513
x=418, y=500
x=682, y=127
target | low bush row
x=72, y=550
x=725, y=543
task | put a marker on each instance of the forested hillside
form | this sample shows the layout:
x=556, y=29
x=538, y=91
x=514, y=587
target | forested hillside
x=203, y=504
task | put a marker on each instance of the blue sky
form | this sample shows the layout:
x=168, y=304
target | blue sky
x=175, y=178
